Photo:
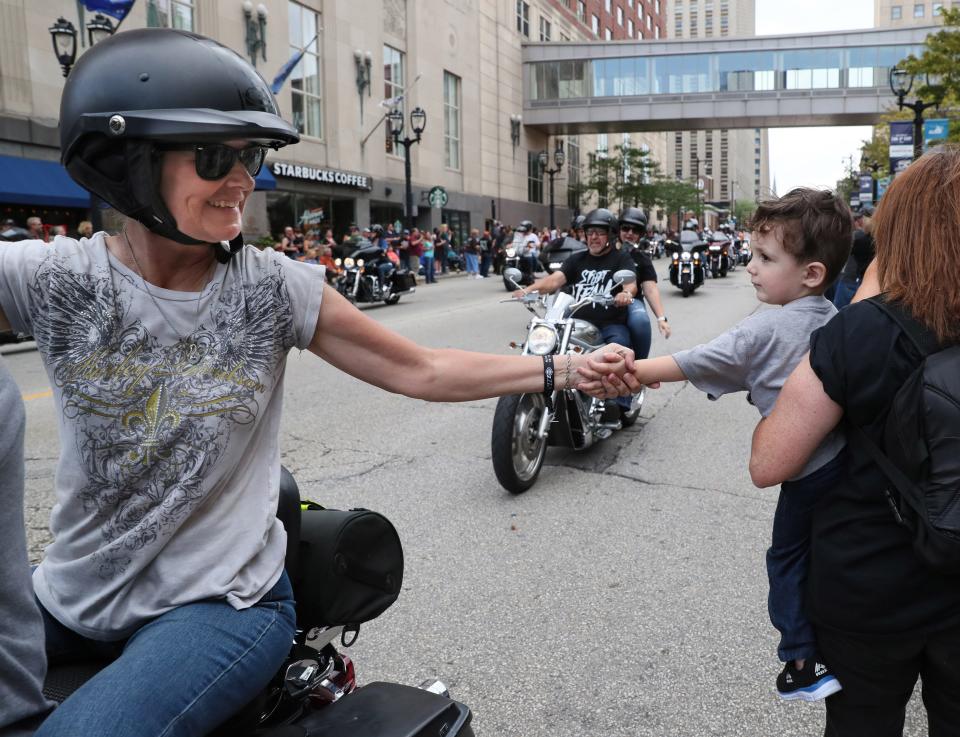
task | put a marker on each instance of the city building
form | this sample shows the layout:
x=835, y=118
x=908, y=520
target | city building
x=457, y=60
x=729, y=165
x=903, y=13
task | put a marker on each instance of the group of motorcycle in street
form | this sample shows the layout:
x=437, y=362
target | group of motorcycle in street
x=697, y=255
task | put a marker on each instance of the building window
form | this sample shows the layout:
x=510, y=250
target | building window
x=544, y=29
x=896, y=12
x=523, y=18
x=694, y=22
x=581, y=11
x=607, y=34
x=305, y=81
x=937, y=9
x=606, y=5
x=919, y=10
x=678, y=155
x=630, y=3
x=573, y=173
x=534, y=177
x=451, y=120
x=658, y=7
x=656, y=31
x=595, y=25
x=629, y=27
x=678, y=24
x=171, y=14
x=708, y=19
x=619, y=16
x=394, y=75
x=564, y=37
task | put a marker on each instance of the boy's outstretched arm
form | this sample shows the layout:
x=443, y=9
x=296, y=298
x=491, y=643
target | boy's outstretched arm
x=601, y=382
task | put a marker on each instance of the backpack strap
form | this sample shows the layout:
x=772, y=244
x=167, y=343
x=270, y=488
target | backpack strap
x=899, y=480
x=923, y=338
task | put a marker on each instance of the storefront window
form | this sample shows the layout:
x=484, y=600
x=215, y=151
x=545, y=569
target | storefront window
x=305, y=212
x=305, y=81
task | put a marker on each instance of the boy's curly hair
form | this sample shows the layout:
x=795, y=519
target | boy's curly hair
x=812, y=225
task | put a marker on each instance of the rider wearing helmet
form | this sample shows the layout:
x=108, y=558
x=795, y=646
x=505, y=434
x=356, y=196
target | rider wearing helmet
x=633, y=225
x=527, y=244
x=589, y=273
x=576, y=228
x=166, y=346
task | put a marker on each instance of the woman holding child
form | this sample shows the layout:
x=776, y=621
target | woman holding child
x=883, y=617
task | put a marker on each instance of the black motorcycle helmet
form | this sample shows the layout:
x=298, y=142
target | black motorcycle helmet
x=577, y=222
x=634, y=216
x=376, y=229
x=601, y=218
x=525, y=226
x=135, y=91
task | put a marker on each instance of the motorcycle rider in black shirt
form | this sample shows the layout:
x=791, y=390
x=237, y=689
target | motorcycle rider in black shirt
x=591, y=272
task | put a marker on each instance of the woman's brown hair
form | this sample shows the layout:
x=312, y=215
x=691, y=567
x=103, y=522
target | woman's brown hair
x=916, y=229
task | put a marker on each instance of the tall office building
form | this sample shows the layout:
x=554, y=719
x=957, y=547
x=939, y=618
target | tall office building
x=903, y=13
x=733, y=164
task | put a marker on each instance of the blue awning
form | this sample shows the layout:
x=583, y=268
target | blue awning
x=265, y=179
x=35, y=182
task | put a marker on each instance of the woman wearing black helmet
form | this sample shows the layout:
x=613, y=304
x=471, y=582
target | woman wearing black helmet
x=165, y=346
x=633, y=225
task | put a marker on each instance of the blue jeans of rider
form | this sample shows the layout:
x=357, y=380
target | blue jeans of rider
x=179, y=675
x=617, y=333
x=638, y=323
x=788, y=558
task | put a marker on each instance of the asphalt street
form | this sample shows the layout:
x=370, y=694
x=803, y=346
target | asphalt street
x=623, y=595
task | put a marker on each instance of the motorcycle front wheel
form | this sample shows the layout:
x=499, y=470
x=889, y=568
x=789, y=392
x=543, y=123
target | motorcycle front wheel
x=516, y=448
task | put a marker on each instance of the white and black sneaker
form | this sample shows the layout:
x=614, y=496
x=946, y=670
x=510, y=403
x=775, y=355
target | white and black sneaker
x=811, y=683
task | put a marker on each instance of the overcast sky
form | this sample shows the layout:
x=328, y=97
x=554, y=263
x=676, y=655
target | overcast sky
x=812, y=156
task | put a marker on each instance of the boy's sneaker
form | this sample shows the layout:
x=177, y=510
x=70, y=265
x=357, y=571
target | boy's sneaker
x=811, y=683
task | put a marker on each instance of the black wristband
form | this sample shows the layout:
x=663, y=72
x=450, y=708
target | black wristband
x=548, y=375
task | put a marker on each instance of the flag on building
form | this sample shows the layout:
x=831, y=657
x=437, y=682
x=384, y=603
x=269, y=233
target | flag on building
x=115, y=8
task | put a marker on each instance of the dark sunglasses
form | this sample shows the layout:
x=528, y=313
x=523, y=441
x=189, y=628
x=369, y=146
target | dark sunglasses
x=629, y=229
x=215, y=160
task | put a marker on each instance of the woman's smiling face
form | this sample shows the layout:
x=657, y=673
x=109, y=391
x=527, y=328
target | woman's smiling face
x=210, y=211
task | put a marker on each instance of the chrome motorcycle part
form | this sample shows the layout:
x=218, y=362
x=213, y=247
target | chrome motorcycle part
x=542, y=339
x=518, y=448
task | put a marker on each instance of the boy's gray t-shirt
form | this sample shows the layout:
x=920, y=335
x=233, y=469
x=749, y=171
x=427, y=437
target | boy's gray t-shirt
x=168, y=478
x=758, y=355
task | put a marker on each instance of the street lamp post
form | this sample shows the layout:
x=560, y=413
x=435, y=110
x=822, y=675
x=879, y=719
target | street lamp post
x=558, y=159
x=64, y=35
x=418, y=121
x=901, y=81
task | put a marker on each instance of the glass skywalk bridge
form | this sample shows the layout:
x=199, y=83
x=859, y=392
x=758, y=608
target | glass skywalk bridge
x=760, y=82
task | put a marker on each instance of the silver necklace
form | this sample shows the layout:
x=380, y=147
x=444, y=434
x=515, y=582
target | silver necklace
x=146, y=288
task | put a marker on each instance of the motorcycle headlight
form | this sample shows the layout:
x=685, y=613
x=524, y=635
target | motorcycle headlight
x=696, y=256
x=360, y=262
x=348, y=262
x=541, y=340
x=337, y=262
x=511, y=252
x=676, y=256
x=686, y=256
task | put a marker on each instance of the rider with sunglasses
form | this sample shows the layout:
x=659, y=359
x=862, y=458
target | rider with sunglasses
x=633, y=225
x=165, y=347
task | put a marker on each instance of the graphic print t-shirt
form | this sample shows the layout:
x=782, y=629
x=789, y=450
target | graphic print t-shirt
x=169, y=468
x=593, y=275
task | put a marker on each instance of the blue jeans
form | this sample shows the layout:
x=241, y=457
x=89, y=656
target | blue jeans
x=485, y=263
x=789, y=558
x=179, y=675
x=617, y=333
x=384, y=270
x=638, y=323
x=472, y=266
x=844, y=291
x=427, y=262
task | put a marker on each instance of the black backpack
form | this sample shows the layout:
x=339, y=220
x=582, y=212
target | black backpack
x=922, y=440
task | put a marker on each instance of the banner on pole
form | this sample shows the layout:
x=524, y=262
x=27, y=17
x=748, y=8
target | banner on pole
x=934, y=131
x=866, y=188
x=901, y=145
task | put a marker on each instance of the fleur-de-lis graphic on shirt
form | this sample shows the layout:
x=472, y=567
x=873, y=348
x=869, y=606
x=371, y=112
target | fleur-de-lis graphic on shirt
x=157, y=416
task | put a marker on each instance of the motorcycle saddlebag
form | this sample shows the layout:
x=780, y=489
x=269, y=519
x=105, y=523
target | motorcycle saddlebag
x=403, y=281
x=387, y=710
x=350, y=566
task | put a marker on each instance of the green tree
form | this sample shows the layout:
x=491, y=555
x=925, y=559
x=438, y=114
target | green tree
x=625, y=178
x=675, y=196
x=743, y=210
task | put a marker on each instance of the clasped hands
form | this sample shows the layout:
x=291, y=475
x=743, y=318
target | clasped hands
x=609, y=372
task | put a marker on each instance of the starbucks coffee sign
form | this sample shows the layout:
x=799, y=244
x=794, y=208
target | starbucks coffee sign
x=321, y=175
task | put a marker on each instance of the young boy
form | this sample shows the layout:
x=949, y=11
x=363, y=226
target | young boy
x=800, y=243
